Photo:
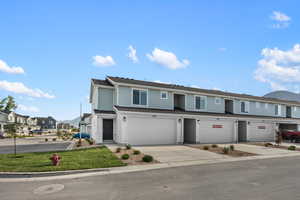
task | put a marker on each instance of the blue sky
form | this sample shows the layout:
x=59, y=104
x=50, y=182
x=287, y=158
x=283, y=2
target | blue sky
x=48, y=48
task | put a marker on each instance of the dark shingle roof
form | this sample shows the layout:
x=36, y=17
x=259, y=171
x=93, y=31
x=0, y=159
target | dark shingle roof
x=101, y=82
x=103, y=111
x=165, y=111
x=191, y=89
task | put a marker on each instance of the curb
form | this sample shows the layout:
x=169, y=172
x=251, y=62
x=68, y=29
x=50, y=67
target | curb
x=51, y=173
x=57, y=175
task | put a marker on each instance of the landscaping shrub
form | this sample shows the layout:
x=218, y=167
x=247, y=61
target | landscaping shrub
x=231, y=147
x=46, y=139
x=147, y=158
x=90, y=141
x=136, y=152
x=53, y=139
x=206, y=147
x=214, y=146
x=292, y=148
x=128, y=146
x=268, y=144
x=125, y=156
x=118, y=150
x=226, y=150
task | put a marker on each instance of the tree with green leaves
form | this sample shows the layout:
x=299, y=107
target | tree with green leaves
x=8, y=104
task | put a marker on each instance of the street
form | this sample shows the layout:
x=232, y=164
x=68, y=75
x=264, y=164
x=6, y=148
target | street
x=35, y=147
x=257, y=179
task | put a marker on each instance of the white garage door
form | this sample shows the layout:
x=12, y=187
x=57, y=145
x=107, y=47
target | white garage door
x=216, y=131
x=260, y=132
x=151, y=131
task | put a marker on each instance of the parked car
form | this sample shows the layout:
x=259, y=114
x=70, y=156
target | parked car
x=36, y=132
x=83, y=135
x=293, y=136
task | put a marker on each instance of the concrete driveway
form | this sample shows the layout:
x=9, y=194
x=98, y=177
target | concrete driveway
x=260, y=150
x=178, y=153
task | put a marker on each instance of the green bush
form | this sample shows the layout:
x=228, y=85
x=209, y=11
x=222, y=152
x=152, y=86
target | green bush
x=90, y=141
x=147, y=158
x=206, y=147
x=231, y=147
x=292, y=148
x=125, y=156
x=118, y=150
x=268, y=144
x=53, y=139
x=46, y=139
x=214, y=146
x=136, y=152
x=128, y=146
x=226, y=150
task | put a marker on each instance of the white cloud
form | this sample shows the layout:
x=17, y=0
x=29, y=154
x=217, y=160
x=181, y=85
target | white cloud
x=31, y=109
x=132, y=54
x=158, y=81
x=281, y=19
x=103, y=61
x=167, y=59
x=20, y=88
x=10, y=69
x=279, y=68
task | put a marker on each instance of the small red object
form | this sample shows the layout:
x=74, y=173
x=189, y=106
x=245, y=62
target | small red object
x=55, y=159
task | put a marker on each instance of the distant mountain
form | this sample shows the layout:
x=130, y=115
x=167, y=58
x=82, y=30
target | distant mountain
x=284, y=95
x=74, y=122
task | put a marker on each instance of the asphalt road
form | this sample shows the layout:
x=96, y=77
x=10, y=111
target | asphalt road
x=269, y=179
x=34, y=148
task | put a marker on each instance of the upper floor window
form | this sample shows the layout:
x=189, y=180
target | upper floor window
x=200, y=102
x=257, y=104
x=217, y=100
x=139, y=97
x=295, y=109
x=163, y=95
x=277, y=110
x=266, y=105
x=244, y=106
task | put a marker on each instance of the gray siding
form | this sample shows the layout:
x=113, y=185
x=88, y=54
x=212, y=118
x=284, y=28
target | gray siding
x=211, y=105
x=124, y=96
x=156, y=102
x=296, y=114
x=261, y=110
x=105, y=98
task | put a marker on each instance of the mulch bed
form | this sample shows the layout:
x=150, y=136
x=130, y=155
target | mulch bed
x=273, y=146
x=133, y=159
x=219, y=150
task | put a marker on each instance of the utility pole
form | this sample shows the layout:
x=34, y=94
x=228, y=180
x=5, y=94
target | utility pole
x=80, y=119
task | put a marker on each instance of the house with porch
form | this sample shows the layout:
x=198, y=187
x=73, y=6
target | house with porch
x=136, y=112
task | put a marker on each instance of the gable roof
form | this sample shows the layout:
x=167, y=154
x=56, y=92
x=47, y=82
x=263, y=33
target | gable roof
x=101, y=82
x=192, y=89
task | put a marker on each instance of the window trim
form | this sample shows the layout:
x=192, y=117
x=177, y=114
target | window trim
x=217, y=98
x=205, y=105
x=279, y=110
x=246, y=106
x=167, y=94
x=139, y=105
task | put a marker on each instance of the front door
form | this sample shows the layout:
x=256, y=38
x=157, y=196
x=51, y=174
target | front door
x=107, y=129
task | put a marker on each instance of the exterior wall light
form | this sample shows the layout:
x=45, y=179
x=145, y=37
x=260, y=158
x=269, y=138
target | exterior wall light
x=124, y=118
x=179, y=120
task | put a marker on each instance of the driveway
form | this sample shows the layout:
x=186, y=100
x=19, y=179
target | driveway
x=35, y=147
x=178, y=153
x=260, y=150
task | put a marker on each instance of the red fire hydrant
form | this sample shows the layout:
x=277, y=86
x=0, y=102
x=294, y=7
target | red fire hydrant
x=55, y=159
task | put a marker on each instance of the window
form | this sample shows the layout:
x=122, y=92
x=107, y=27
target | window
x=163, y=95
x=257, y=104
x=139, y=97
x=217, y=100
x=266, y=105
x=200, y=102
x=277, y=110
x=295, y=108
x=244, y=106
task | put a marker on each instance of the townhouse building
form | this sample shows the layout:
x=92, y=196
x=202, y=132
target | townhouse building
x=137, y=112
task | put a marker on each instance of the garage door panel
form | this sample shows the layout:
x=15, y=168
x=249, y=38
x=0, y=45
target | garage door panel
x=151, y=131
x=261, y=132
x=216, y=132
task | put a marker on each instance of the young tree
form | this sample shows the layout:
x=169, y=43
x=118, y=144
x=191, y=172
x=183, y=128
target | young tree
x=11, y=129
x=8, y=104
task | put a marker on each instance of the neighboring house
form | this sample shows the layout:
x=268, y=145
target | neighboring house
x=86, y=123
x=21, y=121
x=138, y=112
x=64, y=126
x=46, y=123
x=3, y=122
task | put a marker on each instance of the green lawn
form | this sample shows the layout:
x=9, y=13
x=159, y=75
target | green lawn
x=99, y=157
